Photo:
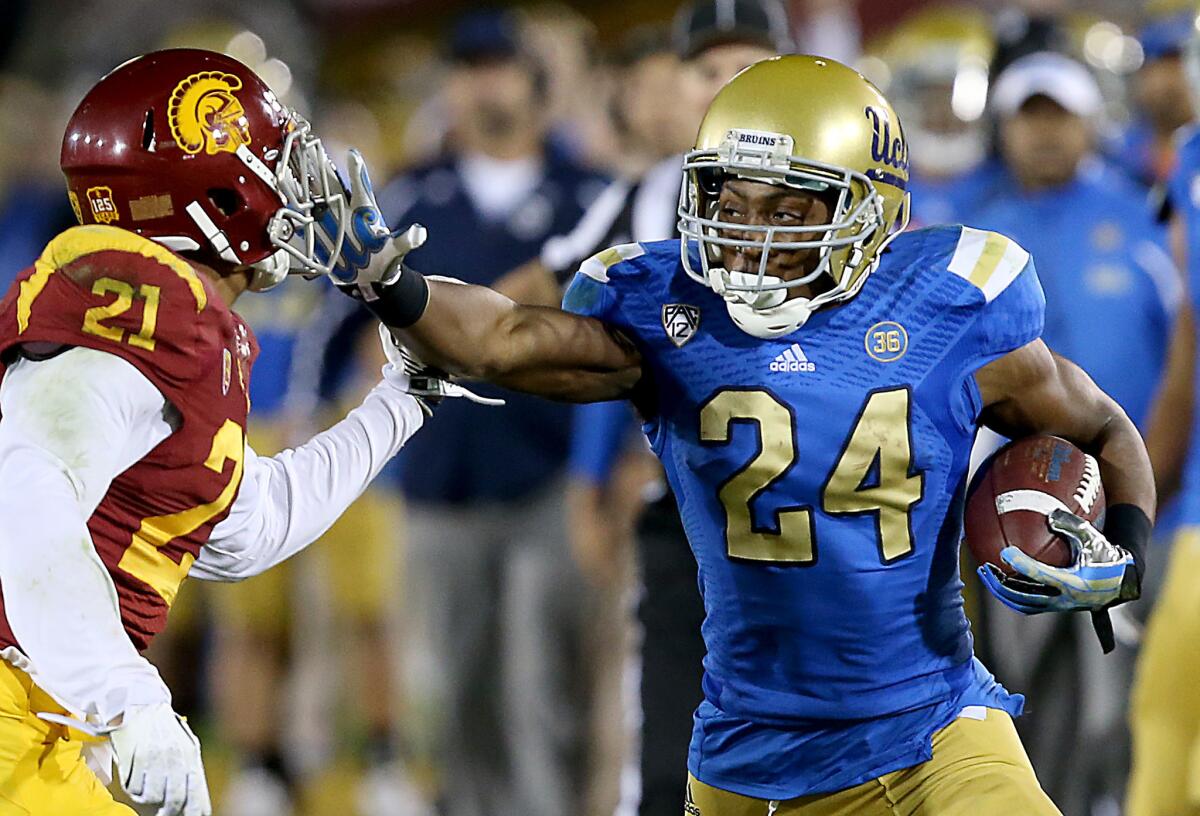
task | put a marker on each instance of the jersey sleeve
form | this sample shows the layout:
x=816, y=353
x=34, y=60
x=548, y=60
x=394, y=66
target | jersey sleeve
x=1007, y=311
x=595, y=291
x=1013, y=307
x=71, y=425
x=288, y=501
x=112, y=290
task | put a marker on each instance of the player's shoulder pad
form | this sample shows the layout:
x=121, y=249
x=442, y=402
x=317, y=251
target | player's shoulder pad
x=610, y=262
x=987, y=260
x=78, y=242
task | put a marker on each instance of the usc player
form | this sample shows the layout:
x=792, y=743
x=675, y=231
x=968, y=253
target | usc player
x=123, y=403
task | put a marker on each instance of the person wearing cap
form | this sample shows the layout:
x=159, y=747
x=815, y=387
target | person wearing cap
x=1164, y=710
x=1111, y=291
x=490, y=586
x=1161, y=100
x=715, y=40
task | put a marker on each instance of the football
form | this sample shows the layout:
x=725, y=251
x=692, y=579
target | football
x=1016, y=490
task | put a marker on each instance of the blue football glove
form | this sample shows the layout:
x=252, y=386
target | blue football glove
x=1096, y=579
x=365, y=250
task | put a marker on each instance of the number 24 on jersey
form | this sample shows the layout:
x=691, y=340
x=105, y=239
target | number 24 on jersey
x=872, y=475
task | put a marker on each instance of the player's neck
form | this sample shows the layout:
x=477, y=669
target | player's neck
x=229, y=287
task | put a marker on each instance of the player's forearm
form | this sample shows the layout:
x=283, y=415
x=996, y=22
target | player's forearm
x=1095, y=422
x=290, y=500
x=474, y=332
x=58, y=596
x=1124, y=464
x=470, y=331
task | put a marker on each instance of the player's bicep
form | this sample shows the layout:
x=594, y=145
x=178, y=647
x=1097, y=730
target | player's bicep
x=1033, y=390
x=229, y=553
x=583, y=359
x=475, y=332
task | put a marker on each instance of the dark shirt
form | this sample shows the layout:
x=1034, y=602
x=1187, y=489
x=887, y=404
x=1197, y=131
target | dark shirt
x=469, y=452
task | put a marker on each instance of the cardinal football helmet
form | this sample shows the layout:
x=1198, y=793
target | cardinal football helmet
x=191, y=149
x=812, y=124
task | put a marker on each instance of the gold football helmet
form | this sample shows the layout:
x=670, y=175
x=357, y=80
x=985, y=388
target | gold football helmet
x=812, y=124
x=934, y=67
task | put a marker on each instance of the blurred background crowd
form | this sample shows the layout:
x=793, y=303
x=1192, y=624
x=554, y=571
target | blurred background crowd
x=508, y=624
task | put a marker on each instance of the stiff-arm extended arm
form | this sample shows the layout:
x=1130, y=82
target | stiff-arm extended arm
x=476, y=332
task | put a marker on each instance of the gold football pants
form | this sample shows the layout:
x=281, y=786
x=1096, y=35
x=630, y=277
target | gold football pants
x=42, y=771
x=1165, y=710
x=978, y=769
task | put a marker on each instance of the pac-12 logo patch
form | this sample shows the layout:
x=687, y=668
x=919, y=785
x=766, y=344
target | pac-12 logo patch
x=886, y=342
x=680, y=322
x=205, y=115
x=104, y=209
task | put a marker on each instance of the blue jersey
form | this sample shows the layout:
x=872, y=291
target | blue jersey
x=1111, y=288
x=820, y=477
x=600, y=432
x=1184, y=191
x=944, y=201
x=278, y=318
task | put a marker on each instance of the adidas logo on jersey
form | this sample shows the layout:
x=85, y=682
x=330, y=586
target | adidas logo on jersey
x=792, y=359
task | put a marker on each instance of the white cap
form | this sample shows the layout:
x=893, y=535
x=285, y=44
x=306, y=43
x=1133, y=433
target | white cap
x=1056, y=76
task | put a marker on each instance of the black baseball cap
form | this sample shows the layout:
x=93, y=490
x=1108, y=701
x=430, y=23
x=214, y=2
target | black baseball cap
x=705, y=23
x=483, y=36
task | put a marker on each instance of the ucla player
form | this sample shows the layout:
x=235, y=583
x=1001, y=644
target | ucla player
x=812, y=379
x=1165, y=710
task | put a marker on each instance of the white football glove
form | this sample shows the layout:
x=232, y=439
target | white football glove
x=370, y=252
x=428, y=384
x=158, y=761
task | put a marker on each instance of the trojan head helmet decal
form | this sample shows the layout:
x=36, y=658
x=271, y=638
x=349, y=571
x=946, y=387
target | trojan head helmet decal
x=205, y=115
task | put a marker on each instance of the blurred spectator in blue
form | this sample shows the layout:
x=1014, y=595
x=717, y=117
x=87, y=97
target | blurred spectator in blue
x=497, y=597
x=1100, y=255
x=33, y=201
x=1161, y=100
x=1111, y=291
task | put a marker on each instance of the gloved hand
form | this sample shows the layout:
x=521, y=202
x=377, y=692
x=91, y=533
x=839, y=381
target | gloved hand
x=1101, y=574
x=428, y=384
x=368, y=252
x=158, y=761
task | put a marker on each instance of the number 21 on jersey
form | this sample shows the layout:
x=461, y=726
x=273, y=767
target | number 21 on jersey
x=871, y=476
x=93, y=319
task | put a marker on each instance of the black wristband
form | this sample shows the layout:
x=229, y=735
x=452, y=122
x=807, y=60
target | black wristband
x=400, y=303
x=1128, y=527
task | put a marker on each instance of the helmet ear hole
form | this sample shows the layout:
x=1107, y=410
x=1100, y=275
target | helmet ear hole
x=148, y=131
x=227, y=201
